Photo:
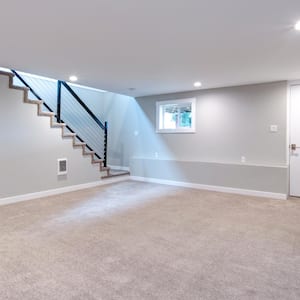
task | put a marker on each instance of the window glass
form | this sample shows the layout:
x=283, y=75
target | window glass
x=176, y=116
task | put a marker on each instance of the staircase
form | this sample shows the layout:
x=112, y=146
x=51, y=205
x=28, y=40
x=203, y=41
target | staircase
x=66, y=131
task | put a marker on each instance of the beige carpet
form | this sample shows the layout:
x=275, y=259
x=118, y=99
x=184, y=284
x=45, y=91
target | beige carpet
x=135, y=240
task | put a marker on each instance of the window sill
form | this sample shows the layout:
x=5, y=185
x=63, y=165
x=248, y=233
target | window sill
x=175, y=131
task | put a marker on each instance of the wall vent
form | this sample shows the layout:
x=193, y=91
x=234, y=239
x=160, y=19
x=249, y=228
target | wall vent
x=62, y=166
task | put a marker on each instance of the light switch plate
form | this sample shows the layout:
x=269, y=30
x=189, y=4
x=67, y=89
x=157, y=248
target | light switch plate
x=273, y=128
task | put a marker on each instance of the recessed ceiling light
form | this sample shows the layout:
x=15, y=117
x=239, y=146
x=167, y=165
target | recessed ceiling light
x=297, y=26
x=197, y=84
x=73, y=78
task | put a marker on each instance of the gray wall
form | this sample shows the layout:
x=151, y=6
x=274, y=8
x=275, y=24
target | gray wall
x=30, y=149
x=122, y=114
x=231, y=122
x=238, y=176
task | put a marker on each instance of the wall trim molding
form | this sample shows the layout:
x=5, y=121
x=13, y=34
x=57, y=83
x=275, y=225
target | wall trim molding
x=214, y=188
x=246, y=164
x=66, y=189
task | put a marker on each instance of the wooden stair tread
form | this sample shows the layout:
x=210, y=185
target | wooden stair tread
x=45, y=113
x=69, y=135
x=115, y=173
x=54, y=124
x=88, y=152
x=30, y=101
x=6, y=73
x=105, y=169
x=97, y=161
x=21, y=88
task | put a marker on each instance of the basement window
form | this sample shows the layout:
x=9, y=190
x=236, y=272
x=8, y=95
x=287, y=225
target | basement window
x=176, y=116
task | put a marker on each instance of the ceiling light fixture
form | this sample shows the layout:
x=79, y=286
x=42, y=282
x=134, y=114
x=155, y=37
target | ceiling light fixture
x=73, y=78
x=297, y=26
x=197, y=84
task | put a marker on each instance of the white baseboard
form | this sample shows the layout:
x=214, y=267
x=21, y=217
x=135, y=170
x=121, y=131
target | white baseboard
x=212, y=188
x=66, y=189
x=42, y=194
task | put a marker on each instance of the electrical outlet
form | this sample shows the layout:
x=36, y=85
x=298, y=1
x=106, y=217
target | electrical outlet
x=243, y=159
x=273, y=128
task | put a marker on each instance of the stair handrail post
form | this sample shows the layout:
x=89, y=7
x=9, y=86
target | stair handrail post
x=58, y=107
x=105, y=143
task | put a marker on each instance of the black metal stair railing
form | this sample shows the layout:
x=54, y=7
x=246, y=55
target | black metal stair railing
x=63, y=116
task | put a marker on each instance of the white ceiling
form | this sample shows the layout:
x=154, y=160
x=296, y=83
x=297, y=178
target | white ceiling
x=155, y=46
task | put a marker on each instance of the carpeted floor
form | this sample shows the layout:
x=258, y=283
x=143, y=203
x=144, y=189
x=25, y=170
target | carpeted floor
x=134, y=240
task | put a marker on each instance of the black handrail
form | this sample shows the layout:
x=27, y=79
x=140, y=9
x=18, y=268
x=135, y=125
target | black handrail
x=58, y=114
x=31, y=89
x=86, y=108
x=82, y=104
x=58, y=107
x=105, y=144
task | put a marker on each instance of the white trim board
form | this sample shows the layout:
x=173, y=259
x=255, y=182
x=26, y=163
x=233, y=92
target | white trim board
x=214, y=188
x=66, y=189
x=247, y=164
x=122, y=168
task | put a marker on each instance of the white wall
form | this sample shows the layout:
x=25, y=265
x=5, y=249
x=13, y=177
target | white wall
x=30, y=149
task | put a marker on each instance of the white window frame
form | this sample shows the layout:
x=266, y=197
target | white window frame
x=160, y=104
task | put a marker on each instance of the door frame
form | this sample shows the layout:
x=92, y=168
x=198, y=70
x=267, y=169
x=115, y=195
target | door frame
x=288, y=130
